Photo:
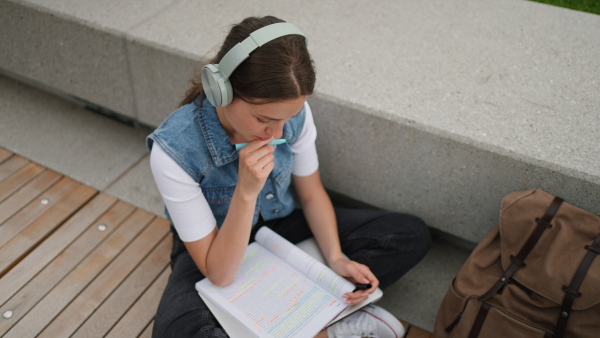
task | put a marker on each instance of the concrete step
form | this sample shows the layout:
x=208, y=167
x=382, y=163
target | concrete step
x=110, y=156
x=433, y=107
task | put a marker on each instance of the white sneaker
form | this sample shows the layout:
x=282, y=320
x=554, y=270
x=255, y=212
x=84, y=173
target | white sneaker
x=371, y=322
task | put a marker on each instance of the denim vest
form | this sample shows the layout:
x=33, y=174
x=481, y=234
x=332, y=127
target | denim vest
x=194, y=138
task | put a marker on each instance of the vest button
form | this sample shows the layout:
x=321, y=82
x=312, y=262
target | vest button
x=269, y=196
x=276, y=211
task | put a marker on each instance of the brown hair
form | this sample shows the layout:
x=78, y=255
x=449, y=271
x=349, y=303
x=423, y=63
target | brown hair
x=281, y=69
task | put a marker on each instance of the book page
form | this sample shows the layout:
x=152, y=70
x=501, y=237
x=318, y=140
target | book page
x=304, y=262
x=272, y=299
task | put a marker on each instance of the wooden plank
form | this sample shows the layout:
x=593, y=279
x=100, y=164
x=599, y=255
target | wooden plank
x=94, y=294
x=20, y=178
x=147, y=333
x=417, y=332
x=11, y=165
x=405, y=324
x=20, y=302
x=45, y=184
x=136, y=321
x=4, y=154
x=64, y=292
x=122, y=299
x=30, y=237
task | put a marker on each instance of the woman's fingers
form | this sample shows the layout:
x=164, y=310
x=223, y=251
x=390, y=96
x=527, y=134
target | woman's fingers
x=255, y=151
x=258, y=160
x=255, y=145
x=361, y=274
x=353, y=298
x=367, y=277
x=264, y=161
x=256, y=163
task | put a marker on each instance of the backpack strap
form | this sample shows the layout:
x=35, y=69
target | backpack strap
x=516, y=263
x=478, y=323
x=572, y=291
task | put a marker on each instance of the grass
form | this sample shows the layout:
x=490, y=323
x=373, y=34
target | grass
x=590, y=6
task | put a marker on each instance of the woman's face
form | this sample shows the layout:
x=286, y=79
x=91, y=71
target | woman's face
x=246, y=122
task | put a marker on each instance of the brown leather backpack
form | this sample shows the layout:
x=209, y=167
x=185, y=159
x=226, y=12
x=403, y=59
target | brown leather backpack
x=535, y=275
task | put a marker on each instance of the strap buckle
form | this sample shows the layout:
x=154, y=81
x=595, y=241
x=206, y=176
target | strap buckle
x=543, y=222
x=593, y=249
x=571, y=291
x=514, y=259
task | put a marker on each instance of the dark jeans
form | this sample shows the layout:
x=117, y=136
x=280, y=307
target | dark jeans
x=388, y=243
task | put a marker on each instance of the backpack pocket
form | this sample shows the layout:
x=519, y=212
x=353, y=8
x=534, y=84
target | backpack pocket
x=451, y=312
x=498, y=323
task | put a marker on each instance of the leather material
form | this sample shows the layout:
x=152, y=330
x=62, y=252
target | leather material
x=530, y=300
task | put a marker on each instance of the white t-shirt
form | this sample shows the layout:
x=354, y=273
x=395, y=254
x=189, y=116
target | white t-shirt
x=188, y=208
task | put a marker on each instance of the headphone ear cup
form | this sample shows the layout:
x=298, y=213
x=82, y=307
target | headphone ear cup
x=226, y=91
x=216, y=87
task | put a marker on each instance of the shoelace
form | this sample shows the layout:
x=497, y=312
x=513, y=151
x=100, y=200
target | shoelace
x=362, y=326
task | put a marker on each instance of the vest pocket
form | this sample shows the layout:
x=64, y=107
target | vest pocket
x=219, y=199
x=283, y=177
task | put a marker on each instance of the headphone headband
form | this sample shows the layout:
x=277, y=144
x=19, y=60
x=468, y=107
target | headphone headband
x=215, y=78
x=259, y=37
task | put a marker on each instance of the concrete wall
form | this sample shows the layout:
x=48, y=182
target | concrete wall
x=433, y=107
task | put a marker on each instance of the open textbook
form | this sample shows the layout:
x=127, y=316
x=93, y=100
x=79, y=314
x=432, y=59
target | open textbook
x=279, y=291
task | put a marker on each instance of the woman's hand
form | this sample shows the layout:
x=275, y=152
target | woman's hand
x=256, y=163
x=356, y=273
x=321, y=219
x=219, y=255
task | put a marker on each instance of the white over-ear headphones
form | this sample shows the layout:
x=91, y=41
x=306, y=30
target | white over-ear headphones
x=215, y=78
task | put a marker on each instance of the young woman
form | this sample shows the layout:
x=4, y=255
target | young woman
x=217, y=197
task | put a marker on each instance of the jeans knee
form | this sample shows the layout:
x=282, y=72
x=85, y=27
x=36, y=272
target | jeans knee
x=412, y=236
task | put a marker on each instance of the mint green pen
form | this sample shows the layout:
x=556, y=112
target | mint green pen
x=239, y=146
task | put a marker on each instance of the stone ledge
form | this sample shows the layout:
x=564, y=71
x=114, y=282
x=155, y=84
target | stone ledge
x=463, y=101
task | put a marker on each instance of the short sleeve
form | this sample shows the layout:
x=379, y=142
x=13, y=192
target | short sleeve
x=304, y=150
x=188, y=208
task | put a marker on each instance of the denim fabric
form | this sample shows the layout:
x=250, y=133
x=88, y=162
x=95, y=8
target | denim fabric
x=181, y=312
x=194, y=138
x=389, y=243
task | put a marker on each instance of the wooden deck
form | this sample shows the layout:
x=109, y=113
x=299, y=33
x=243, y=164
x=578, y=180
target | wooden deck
x=75, y=261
